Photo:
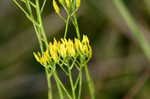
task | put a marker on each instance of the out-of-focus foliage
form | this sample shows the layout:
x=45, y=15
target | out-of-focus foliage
x=119, y=67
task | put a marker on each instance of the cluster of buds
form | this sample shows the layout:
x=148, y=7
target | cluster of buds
x=71, y=6
x=65, y=49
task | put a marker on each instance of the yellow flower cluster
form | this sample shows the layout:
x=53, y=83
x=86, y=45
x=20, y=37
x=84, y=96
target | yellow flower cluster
x=67, y=4
x=64, y=48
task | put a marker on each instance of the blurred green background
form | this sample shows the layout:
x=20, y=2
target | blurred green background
x=119, y=67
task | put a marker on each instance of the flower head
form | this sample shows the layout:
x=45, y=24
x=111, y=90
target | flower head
x=70, y=48
x=42, y=59
x=65, y=48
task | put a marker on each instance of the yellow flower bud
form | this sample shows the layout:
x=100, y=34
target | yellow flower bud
x=64, y=41
x=85, y=40
x=56, y=7
x=78, y=3
x=70, y=48
x=68, y=3
x=53, y=52
x=42, y=59
x=55, y=42
x=90, y=51
x=37, y=56
x=63, y=51
x=46, y=54
x=78, y=45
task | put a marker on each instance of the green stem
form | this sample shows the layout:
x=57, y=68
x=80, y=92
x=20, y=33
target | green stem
x=43, y=5
x=59, y=90
x=80, y=84
x=39, y=29
x=58, y=86
x=41, y=35
x=39, y=38
x=39, y=18
x=61, y=84
x=72, y=85
x=134, y=27
x=21, y=8
x=35, y=26
x=75, y=22
x=67, y=25
x=49, y=84
x=90, y=83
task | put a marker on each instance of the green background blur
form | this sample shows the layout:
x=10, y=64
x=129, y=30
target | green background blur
x=118, y=67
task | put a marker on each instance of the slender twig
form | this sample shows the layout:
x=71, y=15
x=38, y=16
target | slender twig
x=61, y=84
x=21, y=8
x=72, y=85
x=75, y=22
x=80, y=84
x=43, y=5
x=40, y=22
x=24, y=1
x=48, y=76
x=67, y=24
x=59, y=87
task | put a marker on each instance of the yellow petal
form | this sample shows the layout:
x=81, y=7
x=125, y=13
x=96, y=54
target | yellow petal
x=85, y=39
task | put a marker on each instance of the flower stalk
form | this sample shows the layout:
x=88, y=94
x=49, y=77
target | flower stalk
x=67, y=54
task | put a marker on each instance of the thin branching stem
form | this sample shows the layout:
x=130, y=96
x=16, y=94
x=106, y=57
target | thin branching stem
x=61, y=84
x=67, y=25
x=33, y=11
x=72, y=85
x=80, y=83
x=48, y=76
x=59, y=87
x=75, y=22
x=43, y=5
